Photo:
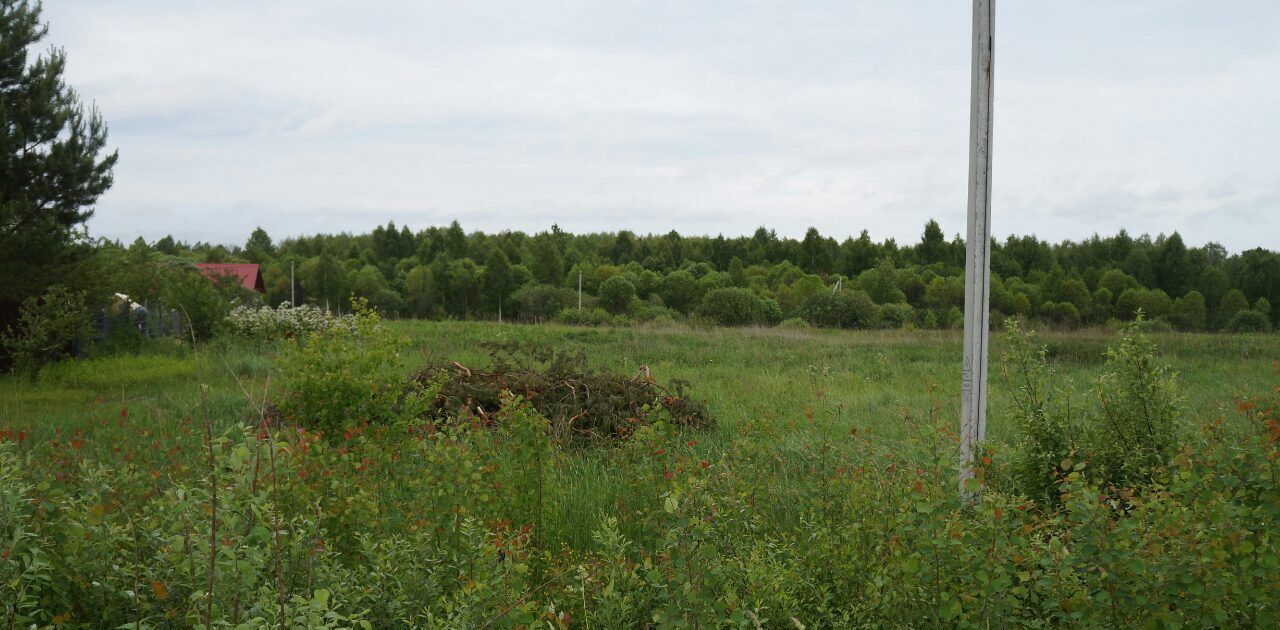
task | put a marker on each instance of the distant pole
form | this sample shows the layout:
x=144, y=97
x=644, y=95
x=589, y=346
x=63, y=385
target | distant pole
x=579, y=289
x=293, y=288
x=977, y=276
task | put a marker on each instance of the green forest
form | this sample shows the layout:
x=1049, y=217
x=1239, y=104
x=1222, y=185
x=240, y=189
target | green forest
x=762, y=279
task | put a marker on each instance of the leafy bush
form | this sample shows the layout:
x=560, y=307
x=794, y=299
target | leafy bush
x=1189, y=312
x=542, y=301
x=1046, y=436
x=1142, y=324
x=794, y=323
x=680, y=290
x=1153, y=303
x=738, y=307
x=655, y=313
x=1263, y=305
x=843, y=309
x=48, y=327
x=1249, y=322
x=880, y=282
x=1137, y=424
x=1060, y=313
x=616, y=294
x=342, y=376
x=587, y=317
x=1233, y=302
x=896, y=315
x=204, y=302
x=283, y=322
x=1124, y=441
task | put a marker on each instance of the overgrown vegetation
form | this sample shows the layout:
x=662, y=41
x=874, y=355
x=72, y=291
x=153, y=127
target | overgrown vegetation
x=812, y=508
x=341, y=376
x=1121, y=434
x=49, y=327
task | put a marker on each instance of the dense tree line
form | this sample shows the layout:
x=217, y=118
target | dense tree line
x=446, y=272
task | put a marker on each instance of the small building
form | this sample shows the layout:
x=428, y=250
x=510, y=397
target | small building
x=248, y=275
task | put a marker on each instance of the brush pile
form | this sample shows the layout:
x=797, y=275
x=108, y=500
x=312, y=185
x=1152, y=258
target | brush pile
x=582, y=404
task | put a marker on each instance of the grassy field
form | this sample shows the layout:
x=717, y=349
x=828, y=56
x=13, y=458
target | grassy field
x=881, y=379
x=795, y=410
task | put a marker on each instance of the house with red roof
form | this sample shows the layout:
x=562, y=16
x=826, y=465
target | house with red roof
x=248, y=275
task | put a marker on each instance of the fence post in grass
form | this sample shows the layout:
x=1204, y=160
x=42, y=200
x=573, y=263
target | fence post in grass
x=977, y=272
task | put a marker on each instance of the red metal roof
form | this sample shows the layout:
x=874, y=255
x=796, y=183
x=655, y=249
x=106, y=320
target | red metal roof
x=248, y=275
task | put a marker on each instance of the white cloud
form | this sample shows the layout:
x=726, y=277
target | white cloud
x=306, y=116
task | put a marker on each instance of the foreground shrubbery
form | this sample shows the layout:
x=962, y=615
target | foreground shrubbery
x=404, y=526
x=415, y=522
x=1125, y=429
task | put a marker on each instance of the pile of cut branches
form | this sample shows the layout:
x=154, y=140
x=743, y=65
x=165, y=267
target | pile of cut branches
x=581, y=404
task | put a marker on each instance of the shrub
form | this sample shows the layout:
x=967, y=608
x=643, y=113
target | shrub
x=204, y=302
x=587, y=317
x=680, y=290
x=942, y=294
x=1154, y=303
x=896, y=315
x=283, y=322
x=48, y=327
x=1233, y=302
x=1249, y=322
x=1138, y=402
x=542, y=301
x=1148, y=325
x=843, y=309
x=880, y=282
x=1060, y=313
x=738, y=307
x=772, y=312
x=1189, y=312
x=616, y=294
x=1046, y=437
x=794, y=323
x=650, y=312
x=929, y=321
x=342, y=376
x=1131, y=433
x=1263, y=305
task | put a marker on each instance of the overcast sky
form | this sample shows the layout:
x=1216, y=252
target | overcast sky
x=705, y=117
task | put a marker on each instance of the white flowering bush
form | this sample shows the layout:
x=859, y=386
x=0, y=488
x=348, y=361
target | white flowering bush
x=284, y=321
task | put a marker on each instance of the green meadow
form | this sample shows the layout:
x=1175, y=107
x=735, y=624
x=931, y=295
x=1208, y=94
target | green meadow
x=829, y=477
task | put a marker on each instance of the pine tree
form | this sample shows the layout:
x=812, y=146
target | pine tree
x=932, y=244
x=259, y=248
x=547, y=265
x=53, y=163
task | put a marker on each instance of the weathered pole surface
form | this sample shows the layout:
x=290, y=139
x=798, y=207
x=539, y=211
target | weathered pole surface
x=977, y=276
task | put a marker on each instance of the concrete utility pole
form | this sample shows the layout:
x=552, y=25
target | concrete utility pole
x=579, y=289
x=977, y=271
x=293, y=291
